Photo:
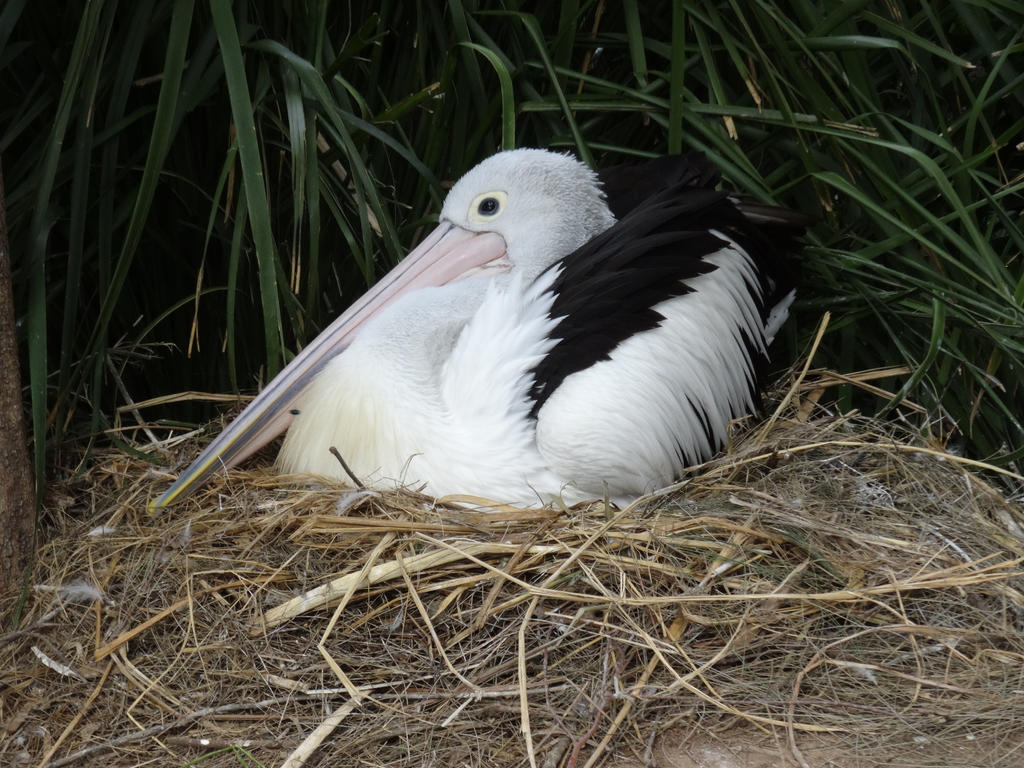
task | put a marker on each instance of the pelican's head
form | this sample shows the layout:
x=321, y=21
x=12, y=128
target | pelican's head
x=543, y=205
x=518, y=211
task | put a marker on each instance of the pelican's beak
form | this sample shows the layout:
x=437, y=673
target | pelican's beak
x=447, y=254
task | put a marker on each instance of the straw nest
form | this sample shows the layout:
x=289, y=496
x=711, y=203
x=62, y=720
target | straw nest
x=825, y=581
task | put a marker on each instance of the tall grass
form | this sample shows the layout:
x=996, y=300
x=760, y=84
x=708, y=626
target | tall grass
x=196, y=188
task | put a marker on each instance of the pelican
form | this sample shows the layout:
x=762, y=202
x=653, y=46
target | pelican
x=562, y=334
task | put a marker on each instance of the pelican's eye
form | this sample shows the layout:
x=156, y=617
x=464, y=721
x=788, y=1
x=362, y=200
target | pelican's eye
x=488, y=206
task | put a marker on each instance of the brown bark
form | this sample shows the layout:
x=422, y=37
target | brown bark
x=17, y=496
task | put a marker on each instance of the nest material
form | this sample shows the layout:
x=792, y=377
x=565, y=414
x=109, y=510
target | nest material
x=823, y=580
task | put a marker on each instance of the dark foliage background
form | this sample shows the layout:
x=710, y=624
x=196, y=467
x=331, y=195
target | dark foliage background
x=195, y=188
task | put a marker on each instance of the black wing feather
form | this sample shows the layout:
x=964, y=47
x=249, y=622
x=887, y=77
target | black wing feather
x=608, y=288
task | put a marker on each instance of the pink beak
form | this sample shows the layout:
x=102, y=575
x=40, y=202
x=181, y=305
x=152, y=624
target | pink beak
x=447, y=254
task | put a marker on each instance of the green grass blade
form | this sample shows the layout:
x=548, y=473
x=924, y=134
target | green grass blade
x=508, y=99
x=42, y=221
x=252, y=178
x=533, y=29
x=676, y=80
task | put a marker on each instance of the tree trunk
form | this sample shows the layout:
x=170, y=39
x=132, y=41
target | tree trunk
x=17, y=495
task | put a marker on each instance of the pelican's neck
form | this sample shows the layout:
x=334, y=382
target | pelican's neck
x=429, y=380
x=418, y=331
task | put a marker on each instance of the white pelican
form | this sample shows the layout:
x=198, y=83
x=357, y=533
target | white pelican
x=560, y=334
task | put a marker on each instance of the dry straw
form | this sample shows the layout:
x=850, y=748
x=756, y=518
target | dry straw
x=826, y=578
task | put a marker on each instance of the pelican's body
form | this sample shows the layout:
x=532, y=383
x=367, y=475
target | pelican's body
x=535, y=347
